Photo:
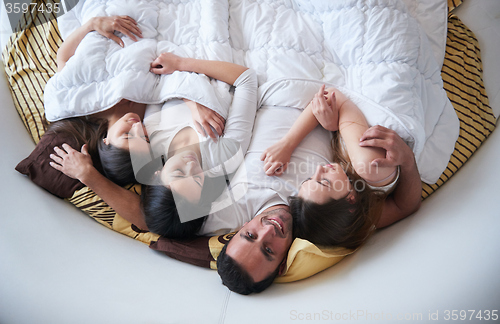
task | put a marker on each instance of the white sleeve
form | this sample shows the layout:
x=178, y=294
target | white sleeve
x=241, y=116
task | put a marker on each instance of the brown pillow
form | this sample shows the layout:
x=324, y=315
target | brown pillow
x=36, y=166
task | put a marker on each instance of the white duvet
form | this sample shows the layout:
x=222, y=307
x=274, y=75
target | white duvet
x=387, y=54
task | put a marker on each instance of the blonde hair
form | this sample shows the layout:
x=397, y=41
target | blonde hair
x=369, y=201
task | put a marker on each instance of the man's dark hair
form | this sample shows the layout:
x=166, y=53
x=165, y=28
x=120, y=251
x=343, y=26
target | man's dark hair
x=161, y=215
x=237, y=279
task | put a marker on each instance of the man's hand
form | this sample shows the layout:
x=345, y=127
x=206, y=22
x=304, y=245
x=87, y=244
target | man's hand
x=405, y=199
x=106, y=26
x=397, y=152
x=74, y=164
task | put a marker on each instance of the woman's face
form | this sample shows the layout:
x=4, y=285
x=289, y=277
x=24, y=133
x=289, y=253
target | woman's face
x=328, y=182
x=183, y=174
x=128, y=133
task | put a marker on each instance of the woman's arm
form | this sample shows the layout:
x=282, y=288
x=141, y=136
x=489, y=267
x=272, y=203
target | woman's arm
x=105, y=26
x=406, y=198
x=168, y=63
x=78, y=165
x=364, y=159
x=241, y=114
x=277, y=156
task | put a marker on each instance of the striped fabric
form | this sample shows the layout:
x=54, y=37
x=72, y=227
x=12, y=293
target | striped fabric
x=463, y=81
x=452, y=4
x=30, y=60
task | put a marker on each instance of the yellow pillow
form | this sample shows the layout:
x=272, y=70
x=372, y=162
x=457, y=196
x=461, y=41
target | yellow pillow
x=306, y=259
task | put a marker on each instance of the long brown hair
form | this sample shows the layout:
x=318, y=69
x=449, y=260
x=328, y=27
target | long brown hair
x=83, y=131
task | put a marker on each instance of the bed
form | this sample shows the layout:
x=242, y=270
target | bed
x=58, y=265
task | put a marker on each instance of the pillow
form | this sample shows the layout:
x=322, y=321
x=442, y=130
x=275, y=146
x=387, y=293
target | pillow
x=36, y=166
x=304, y=258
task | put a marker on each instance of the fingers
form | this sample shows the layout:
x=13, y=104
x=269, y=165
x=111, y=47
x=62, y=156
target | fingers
x=127, y=26
x=376, y=131
x=157, y=66
x=320, y=99
x=374, y=142
x=156, y=70
x=217, y=127
x=270, y=168
x=60, y=152
x=115, y=38
x=209, y=130
x=68, y=148
x=199, y=129
x=57, y=159
x=221, y=123
x=321, y=90
x=56, y=166
x=274, y=168
x=280, y=170
x=381, y=163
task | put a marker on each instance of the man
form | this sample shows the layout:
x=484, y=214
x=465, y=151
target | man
x=256, y=254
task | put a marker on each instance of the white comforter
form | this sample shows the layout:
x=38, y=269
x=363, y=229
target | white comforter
x=387, y=53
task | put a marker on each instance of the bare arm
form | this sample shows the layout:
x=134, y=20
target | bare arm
x=105, y=26
x=168, y=63
x=364, y=159
x=406, y=198
x=277, y=156
x=78, y=165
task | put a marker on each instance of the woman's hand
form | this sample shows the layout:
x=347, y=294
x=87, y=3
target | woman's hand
x=106, y=26
x=166, y=63
x=324, y=108
x=276, y=158
x=74, y=164
x=204, y=117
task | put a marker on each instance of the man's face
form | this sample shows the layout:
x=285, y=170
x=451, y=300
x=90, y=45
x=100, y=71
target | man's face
x=261, y=245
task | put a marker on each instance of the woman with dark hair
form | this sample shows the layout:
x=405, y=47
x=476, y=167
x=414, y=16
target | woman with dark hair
x=179, y=137
x=119, y=128
x=195, y=171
